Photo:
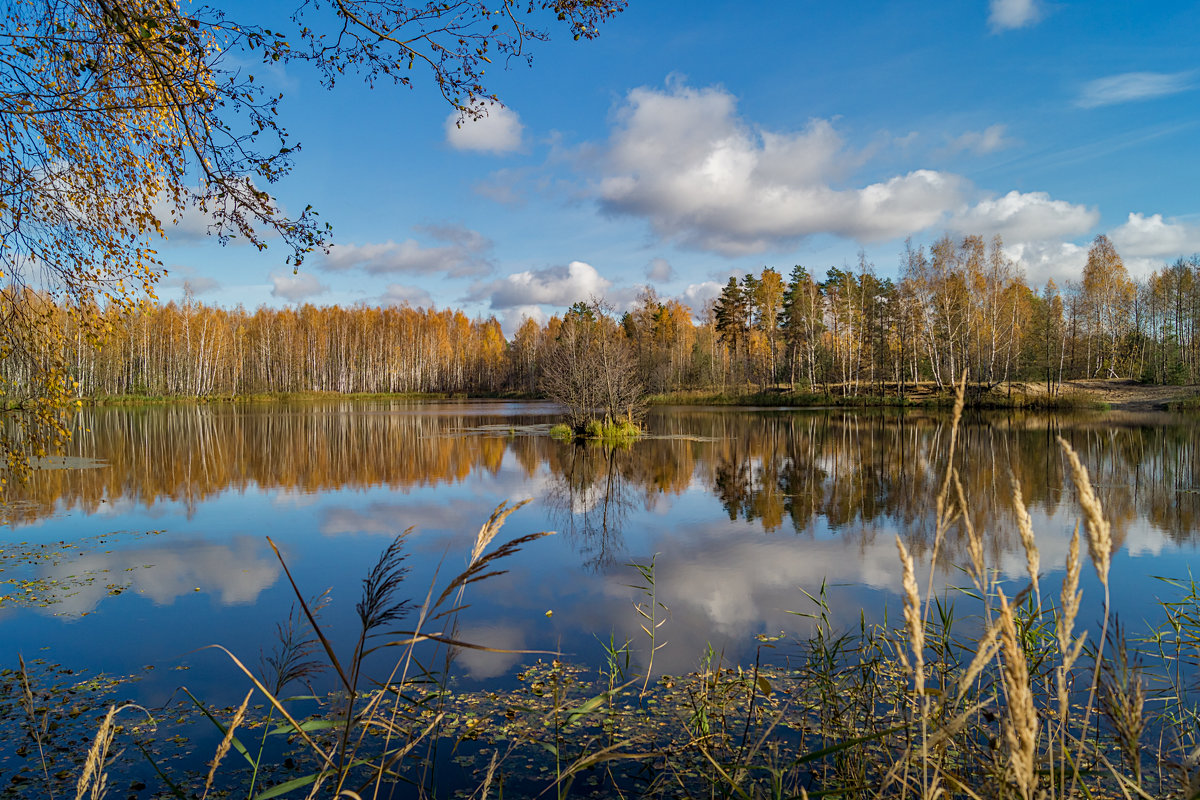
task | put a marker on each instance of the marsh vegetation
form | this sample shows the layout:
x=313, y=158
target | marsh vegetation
x=965, y=660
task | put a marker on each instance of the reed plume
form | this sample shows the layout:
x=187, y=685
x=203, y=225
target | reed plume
x=1020, y=730
x=1122, y=698
x=912, y=619
x=1099, y=532
x=93, y=776
x=1069, y=648
x=978, y=566
x=1028, y=541
x=379, y=604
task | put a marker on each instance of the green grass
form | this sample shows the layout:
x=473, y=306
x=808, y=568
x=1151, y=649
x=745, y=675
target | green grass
x=781, y=398
x=284, y=397
x=621, y=432
x=924, y=399
x=1185, y=404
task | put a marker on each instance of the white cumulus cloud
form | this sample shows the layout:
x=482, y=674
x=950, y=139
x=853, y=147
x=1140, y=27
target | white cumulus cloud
x=464, y=252
x=1131, y=86
x=553, y=286
x=1042, y=261
x=686, y=162
x=1025, y=216
x=1006, y=15
x=513, y=318
x=697, y=295
x=1154, y=237
x=295, y=288
x=498, y=132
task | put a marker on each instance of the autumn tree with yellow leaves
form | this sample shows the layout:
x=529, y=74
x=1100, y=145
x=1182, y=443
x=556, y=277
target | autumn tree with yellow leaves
x=118, y=116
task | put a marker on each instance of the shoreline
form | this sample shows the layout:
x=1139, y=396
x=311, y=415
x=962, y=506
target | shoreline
x=1074, y=395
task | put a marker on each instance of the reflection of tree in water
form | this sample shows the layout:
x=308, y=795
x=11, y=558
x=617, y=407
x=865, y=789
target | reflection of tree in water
x=189, y=453
x=590, y=498
x=854, y=473
x=845, y=473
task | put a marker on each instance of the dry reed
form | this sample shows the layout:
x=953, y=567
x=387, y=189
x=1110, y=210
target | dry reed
x=1028, y=541
x=226, y=743
x=93, y=776
x=946, y=758
x=1098, y=530
x=985, y=651
x=978, y=565
x=1069, y=647
x=490, y=528
x=1020, y=730
x=37, y=729
x=912, y=618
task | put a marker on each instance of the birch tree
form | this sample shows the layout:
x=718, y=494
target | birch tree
x=118, y=116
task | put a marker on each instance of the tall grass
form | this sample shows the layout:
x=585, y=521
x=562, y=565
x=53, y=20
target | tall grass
x=985, y=696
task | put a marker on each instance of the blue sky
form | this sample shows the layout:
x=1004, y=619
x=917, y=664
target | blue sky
x=694, y=141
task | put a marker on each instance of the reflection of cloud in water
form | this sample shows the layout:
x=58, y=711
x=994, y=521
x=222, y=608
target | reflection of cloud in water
x=1143, y=540
x=480, y=664
x=236, y=573
x=288, y=498
x=723, y=582
x=118, y=507
x=389, y=519
x=587, y=499
x=456, y=521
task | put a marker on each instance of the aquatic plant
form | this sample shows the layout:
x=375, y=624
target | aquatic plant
x=993, y=693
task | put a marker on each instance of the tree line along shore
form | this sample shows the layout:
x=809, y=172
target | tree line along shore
x=850, y=339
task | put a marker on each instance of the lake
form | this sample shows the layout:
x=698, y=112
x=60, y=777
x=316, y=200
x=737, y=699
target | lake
x=151, y=541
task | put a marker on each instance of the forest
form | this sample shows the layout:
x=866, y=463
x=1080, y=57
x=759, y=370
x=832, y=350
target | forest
x=961, y=304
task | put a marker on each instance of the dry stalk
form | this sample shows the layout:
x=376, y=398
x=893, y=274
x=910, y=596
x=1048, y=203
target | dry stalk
x=1025, y=527
x=974, y=542
x=1123, y=699
x=1020, y=730
x=945, y=734
x=93, y=776
x=226, y=742
x=37, y=728
x=944, y=515
x=912, y=619
x=1098, y=530
x=989, y=645
x=315, y=791
x=1068, y=647
x=1099, y=534
x=489, y=776
x=491, y=528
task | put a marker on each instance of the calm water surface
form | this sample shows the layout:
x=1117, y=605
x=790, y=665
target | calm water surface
x=161, y=548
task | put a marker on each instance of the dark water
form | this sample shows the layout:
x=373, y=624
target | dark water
x=162, y=548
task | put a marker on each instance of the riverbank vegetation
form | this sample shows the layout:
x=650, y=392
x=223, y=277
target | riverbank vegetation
x=961, y=305
x=1007, y=396
x=1002, y=689
x=591, y=372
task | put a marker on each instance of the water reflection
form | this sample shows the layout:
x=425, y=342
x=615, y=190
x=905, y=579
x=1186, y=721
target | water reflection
x=796, y=472
x=235, y=573
x=744, y=509
x=590, y=496
x=189, y=453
